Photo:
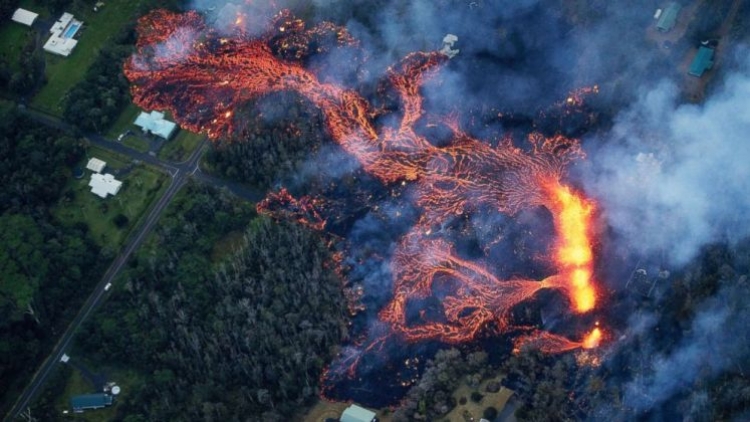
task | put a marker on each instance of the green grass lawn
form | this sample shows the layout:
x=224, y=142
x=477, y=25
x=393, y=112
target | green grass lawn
x=140, y=187
x=36, y=6
x=136, y=143
x=77, y=384
x=63, y=73
x=124, y=122
x=14, y=36
x=181, y=146
x=6, y=106
x=114, y=160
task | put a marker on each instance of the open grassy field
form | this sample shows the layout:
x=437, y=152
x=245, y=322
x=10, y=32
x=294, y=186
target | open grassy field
x=136, y=143
x=181, y=146
x=471, y=409
x=5, y=106
x=14, y=36
x=36, y=6
x=63, y=73
x=140, y=187
x=77, y=384
x=124, y=122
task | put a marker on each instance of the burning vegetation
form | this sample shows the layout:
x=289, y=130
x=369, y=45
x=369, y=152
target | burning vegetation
x=202, y=77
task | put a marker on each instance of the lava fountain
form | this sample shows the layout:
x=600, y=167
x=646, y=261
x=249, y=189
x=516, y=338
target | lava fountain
x=201, y=77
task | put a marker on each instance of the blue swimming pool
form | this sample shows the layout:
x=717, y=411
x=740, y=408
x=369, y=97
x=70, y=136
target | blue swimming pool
x=72, y=29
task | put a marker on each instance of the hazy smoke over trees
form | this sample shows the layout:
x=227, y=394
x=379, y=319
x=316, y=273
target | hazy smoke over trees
x=672, y=177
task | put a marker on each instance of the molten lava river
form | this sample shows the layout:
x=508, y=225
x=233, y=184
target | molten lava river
x=202, y=77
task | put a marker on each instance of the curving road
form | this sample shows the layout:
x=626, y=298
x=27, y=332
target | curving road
x=180, y=172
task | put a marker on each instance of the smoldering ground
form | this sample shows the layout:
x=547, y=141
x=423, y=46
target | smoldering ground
x=669, y=177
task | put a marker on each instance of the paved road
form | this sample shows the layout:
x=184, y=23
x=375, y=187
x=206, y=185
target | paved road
x=180, y=173
x=186, y=167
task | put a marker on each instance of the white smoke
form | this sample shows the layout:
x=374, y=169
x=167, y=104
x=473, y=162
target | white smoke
x=714, y=343
x=673, y=177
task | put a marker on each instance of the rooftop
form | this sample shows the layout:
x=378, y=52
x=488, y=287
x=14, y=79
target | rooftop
x=104, y=184
x=703, y=61
x=155, y=123
x=61, y=42
x=355, y=413
x=96, y=165
x=25, y=17
x=90, y=401
x=668, y=18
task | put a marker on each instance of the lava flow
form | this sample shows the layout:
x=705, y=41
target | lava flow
x=551, y=343
x=574, y=255
x=201, y=77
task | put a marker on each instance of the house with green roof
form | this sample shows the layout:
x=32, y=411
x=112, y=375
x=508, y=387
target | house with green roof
x=90, y=401
x=668, y=18
x=703, y=61
x=354, y=413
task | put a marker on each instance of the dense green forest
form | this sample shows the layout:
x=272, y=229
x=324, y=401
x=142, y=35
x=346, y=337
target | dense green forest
x=25, y=77
x=244, y=337
x=46, y=268
x=7, y=7
x=280, y=133
x=96, y=102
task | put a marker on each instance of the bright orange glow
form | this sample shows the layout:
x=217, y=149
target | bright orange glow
x=574, y=255
x=459, y=178
x=553, y=343
x=593, y=339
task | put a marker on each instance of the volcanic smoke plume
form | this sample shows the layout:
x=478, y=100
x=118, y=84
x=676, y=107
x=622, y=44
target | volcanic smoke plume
x=202, y=76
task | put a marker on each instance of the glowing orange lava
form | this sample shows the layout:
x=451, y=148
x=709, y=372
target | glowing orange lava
x=203, y=79
x=552, y=343
x=592, y=339
x=574, y=255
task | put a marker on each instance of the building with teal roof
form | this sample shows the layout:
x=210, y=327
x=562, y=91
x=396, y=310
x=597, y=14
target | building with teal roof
x=703, y=61
x=354, y=413
x=90, y=401
x=668, y=18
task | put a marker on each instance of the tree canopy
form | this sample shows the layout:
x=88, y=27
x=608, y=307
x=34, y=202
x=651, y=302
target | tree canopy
x=243, y=338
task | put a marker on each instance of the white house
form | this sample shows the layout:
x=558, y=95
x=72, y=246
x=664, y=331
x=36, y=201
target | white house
x=24, y=17
x=155, y=123
x=61, y=40
x=354, y=413
x=96, y=165
x=104, y=184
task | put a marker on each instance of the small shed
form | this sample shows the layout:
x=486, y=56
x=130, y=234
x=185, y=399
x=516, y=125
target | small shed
x=668, y=18
x=355, y=413
x=96, y=165
x=24, y=17
x=90, y=401
x=703, y=61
